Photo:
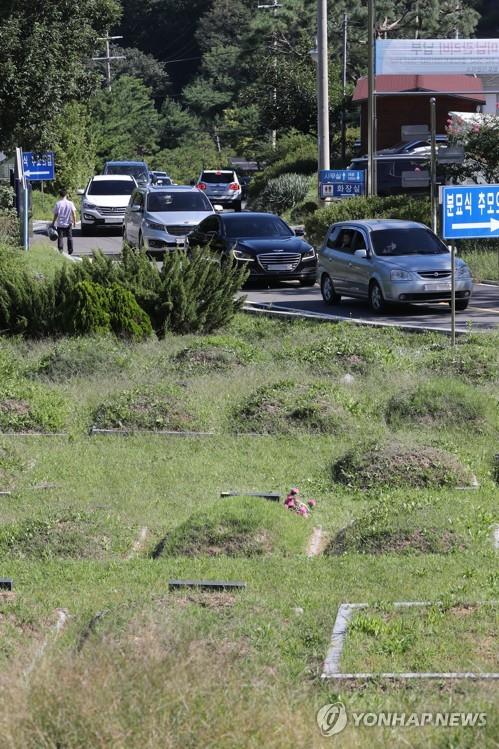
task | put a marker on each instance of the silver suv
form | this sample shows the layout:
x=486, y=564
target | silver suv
x=388, y=260
x=158, y=219
x=221, y=186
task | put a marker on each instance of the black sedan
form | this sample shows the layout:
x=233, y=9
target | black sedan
x=263, y=242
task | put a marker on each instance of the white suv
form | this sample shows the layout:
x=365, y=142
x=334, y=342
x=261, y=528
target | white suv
x=104, y=200
x=222, y=187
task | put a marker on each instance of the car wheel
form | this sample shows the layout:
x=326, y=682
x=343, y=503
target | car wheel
x=376, y=298
x=327, y=290
x=461, y=304
x=237, y=205
x=307, y=282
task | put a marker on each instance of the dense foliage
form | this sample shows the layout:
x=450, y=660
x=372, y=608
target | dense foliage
x=200, y=80
x=129, y=299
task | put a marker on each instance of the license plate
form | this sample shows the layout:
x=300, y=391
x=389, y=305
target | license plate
x=280, y=266
x=114, y=220
x=437, y=286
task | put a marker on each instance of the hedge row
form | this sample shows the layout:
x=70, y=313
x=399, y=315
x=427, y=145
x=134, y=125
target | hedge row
x=130, y=299
x=396, y=206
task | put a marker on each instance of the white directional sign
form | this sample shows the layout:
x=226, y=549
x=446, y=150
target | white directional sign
x=470, y=211
x=436, y=56
x=38, y=166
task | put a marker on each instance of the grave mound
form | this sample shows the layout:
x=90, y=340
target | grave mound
x=469, y=361
x=237, y=527
x=359, y=539
x=90, y=356
x=28, y=407
x=439, y=403
x=396, y=464
x=155, y=408
x=216, y=352
x=285, y=407
x=69, y=535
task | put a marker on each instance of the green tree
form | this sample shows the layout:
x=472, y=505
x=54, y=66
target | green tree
x=178, y=125
x=143, y=66
x=481, y=144
x=44, y=52
x=125, y=123
x=74, y=147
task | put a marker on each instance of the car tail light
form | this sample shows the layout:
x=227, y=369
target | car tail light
x=201, y=186
x=233, y=186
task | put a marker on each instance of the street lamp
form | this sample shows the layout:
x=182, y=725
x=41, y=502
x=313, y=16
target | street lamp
x=319, y=56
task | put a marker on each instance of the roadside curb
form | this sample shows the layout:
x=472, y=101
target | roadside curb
x=275, y=310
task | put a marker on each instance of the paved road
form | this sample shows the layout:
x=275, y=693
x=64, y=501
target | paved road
x=483, y=312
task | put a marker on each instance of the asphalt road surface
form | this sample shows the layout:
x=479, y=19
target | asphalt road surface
x=482, y=314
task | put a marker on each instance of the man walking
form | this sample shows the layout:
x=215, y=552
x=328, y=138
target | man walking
x=64, y=220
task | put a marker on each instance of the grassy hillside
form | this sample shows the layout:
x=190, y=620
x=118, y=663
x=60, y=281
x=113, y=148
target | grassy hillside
x=96, y=524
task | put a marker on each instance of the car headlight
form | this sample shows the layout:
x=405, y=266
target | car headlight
x=241, y=255
x=400, y=275
x=308, y=254
x=153, y=225
x=463, y=270
x=89, y=206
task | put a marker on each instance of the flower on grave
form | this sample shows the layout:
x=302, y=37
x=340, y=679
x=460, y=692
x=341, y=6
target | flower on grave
x=293, y=502
x=293, y=491
x=311, y=503
x=303, y=510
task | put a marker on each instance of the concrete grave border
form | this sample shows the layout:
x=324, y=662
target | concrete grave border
x=331, y=667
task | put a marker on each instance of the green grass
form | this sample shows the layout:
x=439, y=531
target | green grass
x=97, y=525
x=43, y=205
x=484, y=263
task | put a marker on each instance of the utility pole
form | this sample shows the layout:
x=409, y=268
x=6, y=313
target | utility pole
x=343, y=112
x=108, y=56
x=371, y=102
x=275, y=5
x=322, y=86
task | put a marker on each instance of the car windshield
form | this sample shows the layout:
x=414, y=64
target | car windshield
x=111, y=187
x=256, y=226
x=416, y=241
x=161, y=202
x=139, y=172
x=216, y=178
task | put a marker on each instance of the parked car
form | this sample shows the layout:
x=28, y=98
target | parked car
x=416, y=146
x=161, y=178
x=262, y=242
x=388, y=260
x=221, y=186
x=136, y=169
x=159, y=218
x=389, y=172
x=104, y=201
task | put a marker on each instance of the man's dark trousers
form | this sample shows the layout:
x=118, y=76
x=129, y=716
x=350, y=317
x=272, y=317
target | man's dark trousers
x=65, y=231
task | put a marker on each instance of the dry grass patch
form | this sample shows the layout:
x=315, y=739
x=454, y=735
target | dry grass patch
x=155, y=408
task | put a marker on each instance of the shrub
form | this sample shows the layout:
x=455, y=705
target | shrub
x=282, y=193
x=395, y=464
x=396, y=206
x=295, y=153
x=9, y=224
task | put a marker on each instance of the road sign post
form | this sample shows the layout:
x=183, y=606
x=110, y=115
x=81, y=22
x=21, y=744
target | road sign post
x=469, y=212
x=38, y=167
x=341, y=183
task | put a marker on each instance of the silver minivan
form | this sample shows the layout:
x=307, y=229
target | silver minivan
x=388, y=260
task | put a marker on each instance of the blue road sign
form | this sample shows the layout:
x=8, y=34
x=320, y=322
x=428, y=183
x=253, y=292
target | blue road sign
x=38, y=166
x=470, y=212
x=342, y=183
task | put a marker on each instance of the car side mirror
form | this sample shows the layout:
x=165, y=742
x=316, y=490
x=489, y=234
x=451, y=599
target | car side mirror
x=299, y=232
x=80, y=191
x=360, y=253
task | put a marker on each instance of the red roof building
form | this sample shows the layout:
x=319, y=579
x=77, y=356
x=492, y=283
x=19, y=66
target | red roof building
x=463, y=93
